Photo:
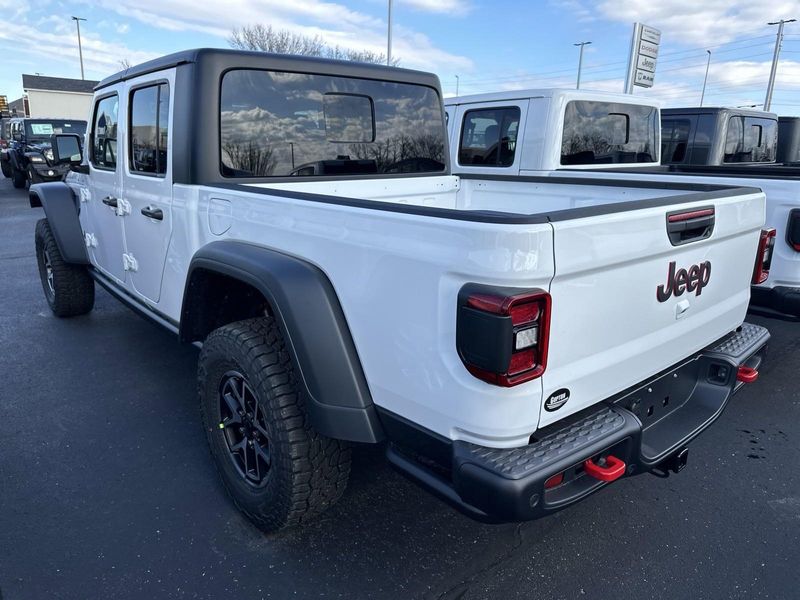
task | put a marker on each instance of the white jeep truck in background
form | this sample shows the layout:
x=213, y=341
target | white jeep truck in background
x=581, y=133
x=519, y=344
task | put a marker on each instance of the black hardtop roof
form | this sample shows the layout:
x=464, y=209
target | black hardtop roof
x=713, y=110
x=225, y=59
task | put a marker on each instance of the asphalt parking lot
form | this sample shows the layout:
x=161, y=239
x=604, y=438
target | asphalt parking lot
x=107, y=489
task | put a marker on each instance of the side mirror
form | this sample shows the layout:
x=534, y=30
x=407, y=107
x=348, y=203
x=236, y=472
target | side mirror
x=66, y=148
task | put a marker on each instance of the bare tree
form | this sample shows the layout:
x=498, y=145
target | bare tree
x=265, y=38
x=124, y=64
x=250, y=158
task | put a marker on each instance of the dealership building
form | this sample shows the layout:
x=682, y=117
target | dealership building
x=58, y=97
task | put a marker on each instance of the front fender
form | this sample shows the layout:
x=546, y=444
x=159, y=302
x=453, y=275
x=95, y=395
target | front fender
x=61, y=209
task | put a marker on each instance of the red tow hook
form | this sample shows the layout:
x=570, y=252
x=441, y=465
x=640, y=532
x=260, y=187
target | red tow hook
x=746, y=375
x=614, y=469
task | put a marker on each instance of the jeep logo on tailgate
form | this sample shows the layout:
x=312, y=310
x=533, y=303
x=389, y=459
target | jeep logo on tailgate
x=692, y=280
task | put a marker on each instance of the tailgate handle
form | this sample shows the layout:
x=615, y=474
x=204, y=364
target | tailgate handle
x=688, y=226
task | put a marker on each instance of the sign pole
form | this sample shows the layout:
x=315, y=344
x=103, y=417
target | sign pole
x=631, y=60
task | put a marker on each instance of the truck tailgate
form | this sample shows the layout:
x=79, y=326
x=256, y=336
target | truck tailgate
x=610, y=329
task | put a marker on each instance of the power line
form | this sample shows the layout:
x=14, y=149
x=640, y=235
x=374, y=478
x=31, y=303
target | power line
x=595, y=69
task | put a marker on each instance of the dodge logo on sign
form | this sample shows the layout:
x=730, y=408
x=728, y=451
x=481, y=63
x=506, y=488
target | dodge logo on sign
x=692, y=280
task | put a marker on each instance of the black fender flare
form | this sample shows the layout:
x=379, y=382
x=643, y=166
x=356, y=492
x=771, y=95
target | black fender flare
x=61, y=209
x=311, y=319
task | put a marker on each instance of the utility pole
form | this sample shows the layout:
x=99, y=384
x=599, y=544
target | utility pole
x=80, y=50
x=705, y=79
x=389, y=37
x=580, y=62
x=774, y=70
x=457, y=82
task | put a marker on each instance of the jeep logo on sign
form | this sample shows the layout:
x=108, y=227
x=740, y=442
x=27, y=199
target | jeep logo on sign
x=556, y=400
x=692, y=280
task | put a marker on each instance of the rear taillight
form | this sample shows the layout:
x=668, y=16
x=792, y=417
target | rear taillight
x=766, y=244
x=502, y=334
x=793, y=229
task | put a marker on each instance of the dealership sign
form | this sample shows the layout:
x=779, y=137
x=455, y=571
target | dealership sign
x=644, y=54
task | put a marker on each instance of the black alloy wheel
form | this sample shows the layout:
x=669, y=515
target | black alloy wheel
x=244, y=428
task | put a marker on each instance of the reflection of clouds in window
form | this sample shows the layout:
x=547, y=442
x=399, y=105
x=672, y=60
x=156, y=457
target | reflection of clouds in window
x=275, y=124
x=751, y=139
x=606, y=132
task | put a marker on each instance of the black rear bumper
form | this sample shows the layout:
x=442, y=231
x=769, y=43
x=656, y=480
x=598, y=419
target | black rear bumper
x=647, y=427
x=781, y=298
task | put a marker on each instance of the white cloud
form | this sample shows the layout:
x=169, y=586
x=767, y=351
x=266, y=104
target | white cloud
x=335, y=23
x=454, y=8
x=100, y=57
x=690, y=22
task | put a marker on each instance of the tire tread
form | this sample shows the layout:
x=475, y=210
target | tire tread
x=314, y=468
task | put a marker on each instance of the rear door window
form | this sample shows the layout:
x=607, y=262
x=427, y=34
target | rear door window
x=489, y=137
x=149, y=129
x=609, y=133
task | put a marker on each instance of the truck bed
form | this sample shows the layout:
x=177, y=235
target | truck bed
x=540, y=198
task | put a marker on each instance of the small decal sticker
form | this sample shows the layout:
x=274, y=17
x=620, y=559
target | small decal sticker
x=556, y=400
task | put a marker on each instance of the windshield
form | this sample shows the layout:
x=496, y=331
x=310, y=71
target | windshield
x=609, y=133
x=42, y=129
x=276, y=124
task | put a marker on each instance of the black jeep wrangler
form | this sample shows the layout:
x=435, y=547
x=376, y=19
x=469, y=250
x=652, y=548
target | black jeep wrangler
x=29, y=157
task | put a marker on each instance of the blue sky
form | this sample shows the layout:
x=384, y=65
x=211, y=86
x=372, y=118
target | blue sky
x=489, y=44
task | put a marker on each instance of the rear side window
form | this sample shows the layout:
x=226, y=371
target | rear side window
x=751, y=139
x=104, y=133
x=278, y=124
x=149, y=129
x=489, y=137
x=608, y=133
x=674, y=140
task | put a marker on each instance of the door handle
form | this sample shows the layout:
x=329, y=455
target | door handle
x=153, y=213
x=110, y=201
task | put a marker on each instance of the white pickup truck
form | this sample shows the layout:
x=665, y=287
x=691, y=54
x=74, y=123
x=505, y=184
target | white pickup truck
x=580, y=133
x=519, y=344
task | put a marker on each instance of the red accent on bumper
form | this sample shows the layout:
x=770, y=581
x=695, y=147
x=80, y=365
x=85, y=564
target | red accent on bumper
x=746, y=375
x=614, y=469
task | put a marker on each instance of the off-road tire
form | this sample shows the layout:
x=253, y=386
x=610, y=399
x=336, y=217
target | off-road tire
x=18, y=178
x=5, y=167
x=308, y=472
x=68, y=288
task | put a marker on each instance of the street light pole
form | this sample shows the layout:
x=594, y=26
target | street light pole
x=773, y=71
x=580, y=62
x=705, y=79
x=457, y=82
x=80, y=50
x=389, y=37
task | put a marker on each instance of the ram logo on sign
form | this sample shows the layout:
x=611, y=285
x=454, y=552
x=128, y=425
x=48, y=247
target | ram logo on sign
x=642, y=61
